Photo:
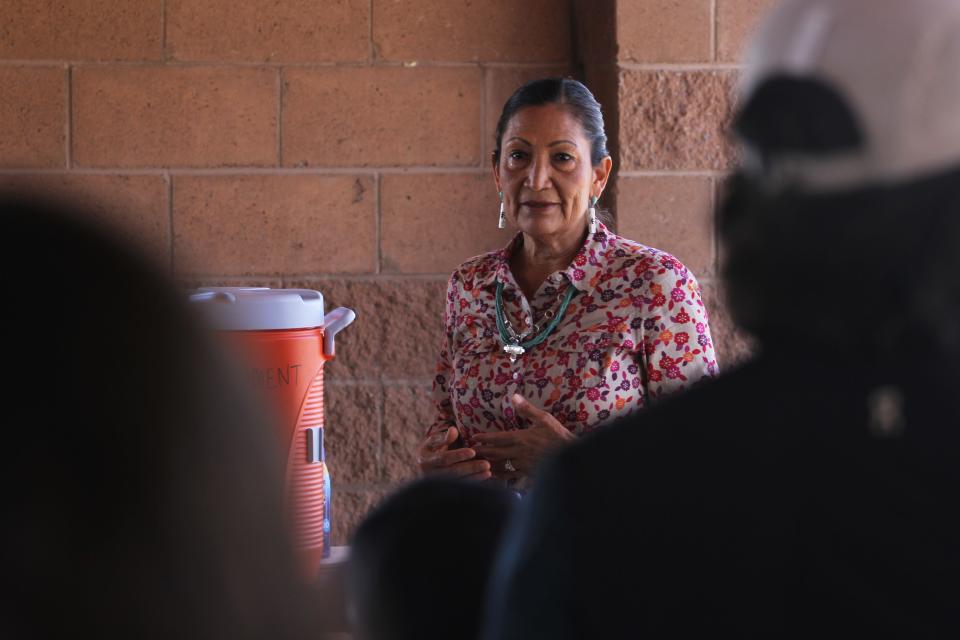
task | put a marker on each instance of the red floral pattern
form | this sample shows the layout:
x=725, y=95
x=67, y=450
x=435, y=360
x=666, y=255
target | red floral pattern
x=635, y=331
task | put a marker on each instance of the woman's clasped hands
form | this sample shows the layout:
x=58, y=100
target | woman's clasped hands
x=436, y=455
x=499, y=454
x=515, y=453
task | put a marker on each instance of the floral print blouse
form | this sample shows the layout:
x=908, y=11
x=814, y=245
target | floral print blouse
x=635, y=330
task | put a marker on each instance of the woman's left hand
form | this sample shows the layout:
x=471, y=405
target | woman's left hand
x=522, y=448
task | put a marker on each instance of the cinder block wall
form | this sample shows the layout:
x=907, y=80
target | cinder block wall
x=340, y=145
x=676, y=68
x=344, y=145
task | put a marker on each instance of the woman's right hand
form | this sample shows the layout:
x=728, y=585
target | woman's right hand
x=435, y=456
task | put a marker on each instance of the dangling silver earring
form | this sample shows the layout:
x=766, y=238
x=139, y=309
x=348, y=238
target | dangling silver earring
x=503, y=216
x=593, y=215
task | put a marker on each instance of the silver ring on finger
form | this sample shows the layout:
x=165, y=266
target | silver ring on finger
x=508, y=466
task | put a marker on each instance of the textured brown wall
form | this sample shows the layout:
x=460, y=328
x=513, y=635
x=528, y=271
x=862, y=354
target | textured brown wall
x=676, y=67
x=340, y=145
x=343, y=145
x=665, y=71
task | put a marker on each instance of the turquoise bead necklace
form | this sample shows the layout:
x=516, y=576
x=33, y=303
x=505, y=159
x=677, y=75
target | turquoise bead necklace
x=511, y=340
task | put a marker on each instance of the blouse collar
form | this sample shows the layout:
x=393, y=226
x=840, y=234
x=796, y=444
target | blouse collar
x=583, y=272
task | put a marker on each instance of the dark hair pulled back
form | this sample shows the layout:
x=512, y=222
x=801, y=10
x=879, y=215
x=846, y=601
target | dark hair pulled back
x=791, y=251
x=564, y=91
x=886, y=250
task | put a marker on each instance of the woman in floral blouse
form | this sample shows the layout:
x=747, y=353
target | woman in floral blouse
x=570, y=325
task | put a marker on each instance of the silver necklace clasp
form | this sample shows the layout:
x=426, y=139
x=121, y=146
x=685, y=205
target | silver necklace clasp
x=513, y=350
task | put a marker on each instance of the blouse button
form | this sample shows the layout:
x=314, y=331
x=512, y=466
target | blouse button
x=516, y=376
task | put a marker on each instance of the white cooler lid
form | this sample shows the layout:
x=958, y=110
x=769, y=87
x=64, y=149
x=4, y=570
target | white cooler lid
x=259, y=308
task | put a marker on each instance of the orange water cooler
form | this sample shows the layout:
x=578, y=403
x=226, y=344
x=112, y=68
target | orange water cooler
x=286, y=338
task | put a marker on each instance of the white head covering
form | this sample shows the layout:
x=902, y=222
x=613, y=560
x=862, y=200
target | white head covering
x=896, y=63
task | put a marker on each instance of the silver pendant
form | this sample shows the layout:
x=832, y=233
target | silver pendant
x=885, y=406
x=513, y=350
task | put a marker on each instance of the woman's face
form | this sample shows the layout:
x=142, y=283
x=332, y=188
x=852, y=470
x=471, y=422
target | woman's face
x=545, y=173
